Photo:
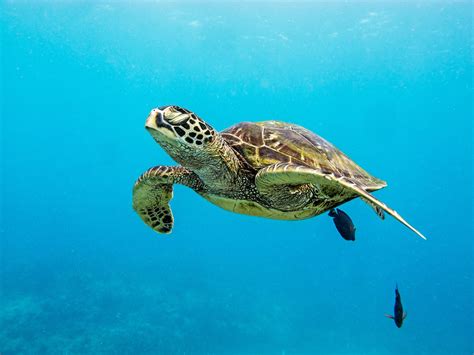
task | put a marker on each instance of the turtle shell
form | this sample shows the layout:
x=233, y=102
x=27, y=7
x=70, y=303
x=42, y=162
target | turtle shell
x=264, y=143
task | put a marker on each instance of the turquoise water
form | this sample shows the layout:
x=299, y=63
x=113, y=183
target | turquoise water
x=390, y=84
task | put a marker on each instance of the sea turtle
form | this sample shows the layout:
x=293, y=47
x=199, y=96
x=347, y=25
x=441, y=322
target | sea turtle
x=269, y=169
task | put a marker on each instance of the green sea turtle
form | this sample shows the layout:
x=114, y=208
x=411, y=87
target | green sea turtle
x=269, y=169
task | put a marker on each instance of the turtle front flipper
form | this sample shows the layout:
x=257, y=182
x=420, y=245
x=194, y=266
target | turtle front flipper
x=367, y=196
x=291, y=187
x=153, y=191
x=275, y=180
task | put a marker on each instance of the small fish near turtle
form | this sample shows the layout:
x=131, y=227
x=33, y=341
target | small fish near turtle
x=399, y=314
x=268, y=169
x=343, y=223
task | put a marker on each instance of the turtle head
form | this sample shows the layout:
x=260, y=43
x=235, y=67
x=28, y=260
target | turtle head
x=173, y=123
x=180, y=132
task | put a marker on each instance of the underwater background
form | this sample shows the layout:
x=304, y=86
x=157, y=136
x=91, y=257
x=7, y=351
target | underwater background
x=389, y=83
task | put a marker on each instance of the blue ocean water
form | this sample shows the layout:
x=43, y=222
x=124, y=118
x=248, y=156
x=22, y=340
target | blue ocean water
x=389, y=83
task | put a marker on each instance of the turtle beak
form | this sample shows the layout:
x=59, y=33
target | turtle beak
x=153, y=119
x=157, y=127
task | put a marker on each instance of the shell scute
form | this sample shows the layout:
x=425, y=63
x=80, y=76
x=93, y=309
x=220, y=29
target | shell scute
x=269, y=142
x=248, y=132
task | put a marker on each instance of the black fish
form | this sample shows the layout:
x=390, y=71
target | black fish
x=343, y=224
x=399, y=315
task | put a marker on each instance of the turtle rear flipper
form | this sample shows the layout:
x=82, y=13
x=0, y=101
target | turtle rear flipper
x=378, y=210
x=270, y=178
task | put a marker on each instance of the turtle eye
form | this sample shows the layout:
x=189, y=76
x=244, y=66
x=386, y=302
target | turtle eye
x=175, y=117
